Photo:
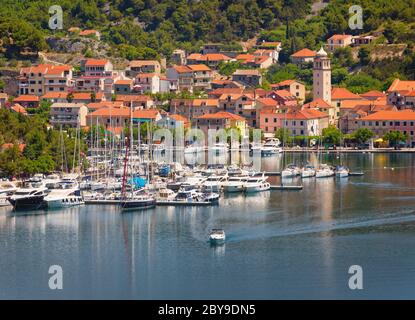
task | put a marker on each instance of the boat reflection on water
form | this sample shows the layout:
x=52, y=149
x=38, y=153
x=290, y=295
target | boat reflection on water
x=218, y=250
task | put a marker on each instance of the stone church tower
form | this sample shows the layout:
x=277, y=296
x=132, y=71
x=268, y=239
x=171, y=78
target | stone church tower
x=322, y=77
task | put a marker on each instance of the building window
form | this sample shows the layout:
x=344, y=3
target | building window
x=397, y=123
x=384, y=123
x=266, y=120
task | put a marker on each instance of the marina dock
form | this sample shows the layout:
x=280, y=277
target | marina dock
x=288, y=188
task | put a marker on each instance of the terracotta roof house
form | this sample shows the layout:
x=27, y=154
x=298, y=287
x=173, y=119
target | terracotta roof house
x=27, y=101
x=385, y=121
x=295, y=87
x=303, y=56
x=339, y=41
x=250, y=78
x=18, y=109
x=307, y=122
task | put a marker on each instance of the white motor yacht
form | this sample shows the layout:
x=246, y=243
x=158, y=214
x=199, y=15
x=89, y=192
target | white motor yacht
x=29, y=197
x=67, y=194
x=257, y=184
x=217, y=236
x=271, y=147
x=166, y=195
x=214, y=183
x=7, y=188
x=235, y=184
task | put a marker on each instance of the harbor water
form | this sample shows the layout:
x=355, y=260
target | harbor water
x=279, y=244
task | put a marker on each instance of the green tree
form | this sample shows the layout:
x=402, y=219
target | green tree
x=395, y=138
x=362, y=135
x=284, y=135
x=332, y=135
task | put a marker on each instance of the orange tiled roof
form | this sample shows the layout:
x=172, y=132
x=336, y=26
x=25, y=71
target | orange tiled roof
x=244, y=56
x=26, y=98
x=306, y=114
x=134, y=98
x=87, y=95
x=125, y=113
x=140, y=63
x=400, y=85
x=19, y=109
x=199, y=67
x=342, y=94
x=268, y=102
x=221, y=91
x=124, y=82
x=283, y=93
x=372, y=94
x=56, y=70
x=207, y=102
x=96, y=62
x=283, y=83
x=222, y=115
x=391, y=115
x=55, y=95
x=317, y=103
x=304, y=53
x=340, y=36
x=179, y=117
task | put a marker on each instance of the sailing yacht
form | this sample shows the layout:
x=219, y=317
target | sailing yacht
x=308, y=171
x=342, y=171
x=134, y=200
x=291, y=171
x=324, y=171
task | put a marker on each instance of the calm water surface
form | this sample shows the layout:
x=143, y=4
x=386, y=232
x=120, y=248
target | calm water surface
x=280, y=244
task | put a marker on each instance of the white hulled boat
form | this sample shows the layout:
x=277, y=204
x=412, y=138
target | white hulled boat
x=7, y=188
x=67, y=194
x=256, y=184
x=324, y=171
x=308, y=171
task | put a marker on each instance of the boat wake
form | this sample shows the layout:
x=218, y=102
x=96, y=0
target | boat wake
x=270, y=231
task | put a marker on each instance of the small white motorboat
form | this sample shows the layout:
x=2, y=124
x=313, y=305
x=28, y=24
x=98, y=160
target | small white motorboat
x=324, y=171
x=217, y=236
x=271, y=147
x=308, y=171
x=291, y=171
x=257, y=184
x=342, y=172
x=235, y=184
